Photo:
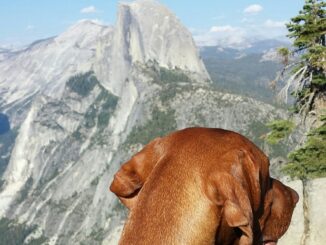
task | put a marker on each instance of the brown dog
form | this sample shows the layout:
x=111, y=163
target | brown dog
x=202, y=186
x=278, y=214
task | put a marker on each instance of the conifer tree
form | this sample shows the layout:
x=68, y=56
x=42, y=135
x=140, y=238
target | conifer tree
x=307, y=82
x=308, y=70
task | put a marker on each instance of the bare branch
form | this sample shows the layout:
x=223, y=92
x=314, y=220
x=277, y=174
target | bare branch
x=308, y=106
x=283, y=94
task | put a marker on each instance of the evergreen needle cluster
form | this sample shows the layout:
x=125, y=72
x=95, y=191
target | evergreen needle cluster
x=308, y=69
x=307, y=83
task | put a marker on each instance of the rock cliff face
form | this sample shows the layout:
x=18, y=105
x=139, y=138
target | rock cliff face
x=147, y=31
x=72, y=101
x=46, y=65
x=309, y=218
x=81, y=103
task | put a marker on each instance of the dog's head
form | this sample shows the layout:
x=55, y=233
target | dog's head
x=132, y=175
x=280, y=203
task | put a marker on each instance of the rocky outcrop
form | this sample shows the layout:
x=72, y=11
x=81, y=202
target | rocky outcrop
x=45, y=66
x=147, y=31
x=309, y=219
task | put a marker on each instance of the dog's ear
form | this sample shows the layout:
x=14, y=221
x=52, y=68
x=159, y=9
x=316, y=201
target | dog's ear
x=126, y=181
x=228, y=193
x=250, y=170
x=284, y=200
x=132, y=175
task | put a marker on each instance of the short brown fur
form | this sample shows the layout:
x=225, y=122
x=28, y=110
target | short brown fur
x=200, y=186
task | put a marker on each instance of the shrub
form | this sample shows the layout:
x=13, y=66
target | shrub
x=310, y=160
x=162, y=122
x=173, y=76
x=280, y=130
x=13, y=233
x=82, y=84
x=107, y=109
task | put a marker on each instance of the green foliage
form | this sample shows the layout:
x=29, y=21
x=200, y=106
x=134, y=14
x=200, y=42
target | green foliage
x=308, y=28
x=38, y=241
x=171, y=81
x=307, y=72
x=258, y=132
x=319, y=80
x=108, y=106
x=173, y=76
x=280, y=129
x=101, y=110
x=169, y=91
x=99, y=115
x=246, y=76
x=12, y=233
x=7, y=141
x=90, y=117
x=308, y=31
x=2, y=183
x=285, y=54
x=310, y=160
x=82, y=84
x=161, y=123
x=283, y=51
x=77, y=135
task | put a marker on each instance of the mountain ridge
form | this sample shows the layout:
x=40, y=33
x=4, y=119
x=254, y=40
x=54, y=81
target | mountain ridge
x=72, y=112
x=111, y=91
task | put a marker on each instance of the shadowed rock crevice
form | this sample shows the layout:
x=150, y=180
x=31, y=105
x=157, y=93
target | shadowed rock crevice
x=4, y=124
x=306, y=220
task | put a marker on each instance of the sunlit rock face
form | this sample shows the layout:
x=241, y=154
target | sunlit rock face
x=147, y=31
x=83, y=102
x=309, y=219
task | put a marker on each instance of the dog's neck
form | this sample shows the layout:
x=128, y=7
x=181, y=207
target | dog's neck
x=150, y=221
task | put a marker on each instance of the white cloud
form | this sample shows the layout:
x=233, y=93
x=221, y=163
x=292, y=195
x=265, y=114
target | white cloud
x=226, y=28
x=224, y=36
x=88, y=10
x=253, y=9
x=274, y=24
x=239, y=37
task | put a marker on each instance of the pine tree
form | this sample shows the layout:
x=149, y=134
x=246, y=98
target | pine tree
x=308, y=82
x=308, y=71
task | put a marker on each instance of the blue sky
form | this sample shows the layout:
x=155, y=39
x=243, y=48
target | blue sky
x=210, y=21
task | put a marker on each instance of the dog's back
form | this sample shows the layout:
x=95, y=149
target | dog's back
x=182, y=199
